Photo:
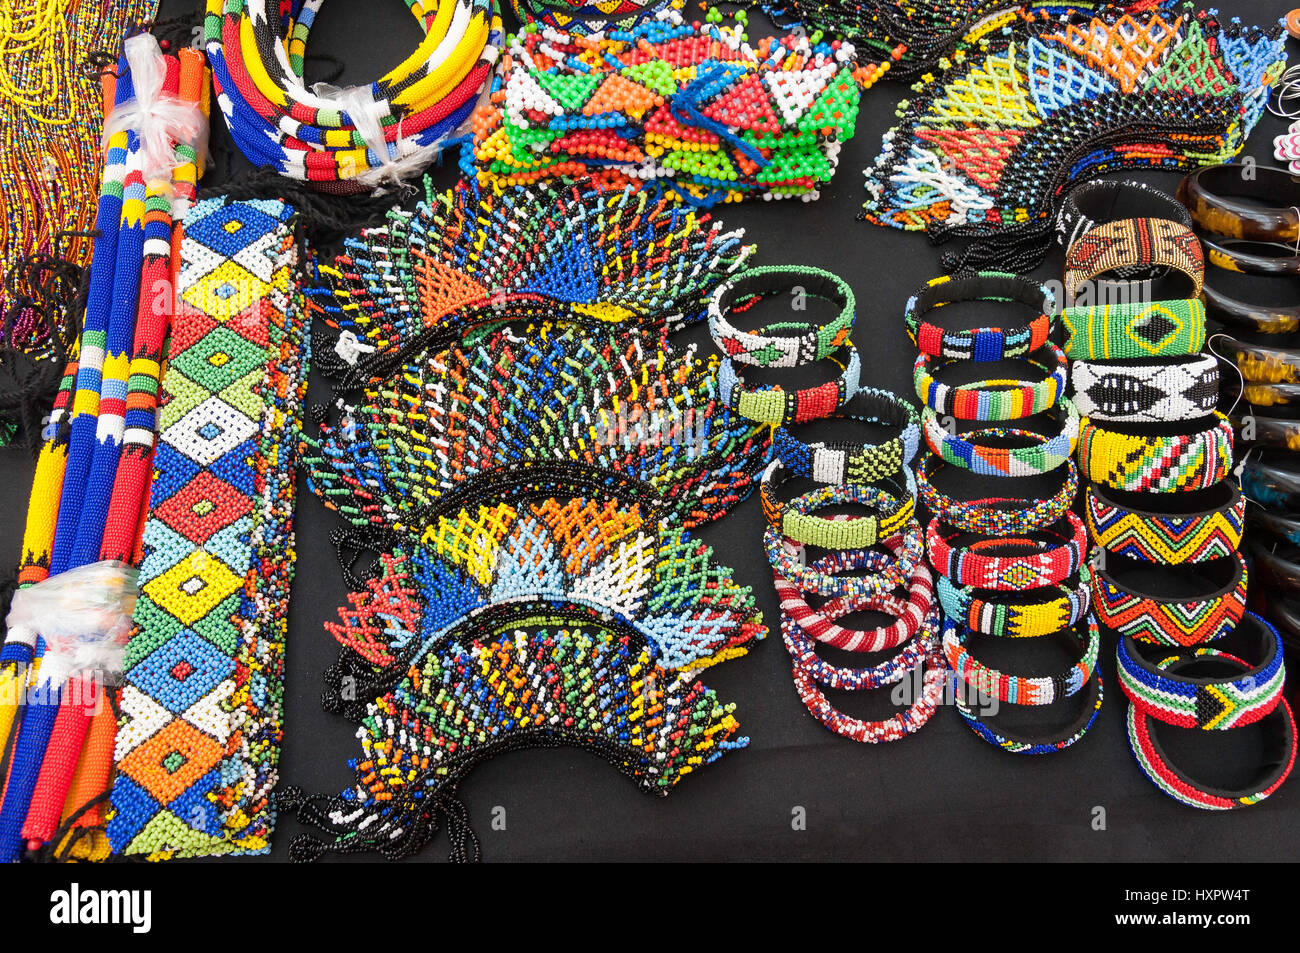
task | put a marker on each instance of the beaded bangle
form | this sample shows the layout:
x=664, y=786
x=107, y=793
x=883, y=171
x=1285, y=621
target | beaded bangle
x=853, y=462
x=1130, y=242
x=1260, y=364
x=795, y=520
x=1252, y=258
x=1192, y=527
x=1212, y=195
x=1271, y=482
x=803, y=652
x=992, y=399
x=1212, y=703
x=1019, y=742
x=1108, y=332
x=821, y=623
x=1252, y=318
x=1175, y=620
x=980, y=344
x=968, y=607
x=780, y=407
x=984, y=564
x=1146, y=390
x=996, y=516
x=1022, y=689
x=1043, y=455
x=1278, y=759
x=904, y=723
x=785, y=343
x=1155, y=462
x=1096, y=202
x=786, y=559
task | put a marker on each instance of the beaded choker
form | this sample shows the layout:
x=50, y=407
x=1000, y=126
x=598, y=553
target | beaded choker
x=356, y=138
x=691, y=107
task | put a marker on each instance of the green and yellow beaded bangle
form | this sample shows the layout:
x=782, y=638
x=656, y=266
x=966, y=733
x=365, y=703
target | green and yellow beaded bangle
x=1109, y=332
x=795, y=520
x=1147, y=460
x=997, y=399
x=784, y=343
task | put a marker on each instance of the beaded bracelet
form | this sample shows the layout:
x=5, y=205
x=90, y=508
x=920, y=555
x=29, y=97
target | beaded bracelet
x=821, y=623
x=1146, y=390
x=980, y=344
x=1192, y=527
x=785, y=343
x=1260, y=364
x=904, y=723
x=786, y=559
x=1150, y=461
x=1022, y=689
x=803, y=653
x=992, y=399
x=1133, y=242
x=1175, y=620
x=1043, y=455
x=1098, y=201
x=1279, y=757
x=780, y=407
x=855, y=462
x=985, y=564
x=1252, y=258
x=1019, y=742
x=1249, y=317
x=1108, y=332
x=1212, y=195
x=1212, y=703
x=795, y=520
x=1015, y=620
x=996, y=516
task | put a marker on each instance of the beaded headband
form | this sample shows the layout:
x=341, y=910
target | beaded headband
x=198, y=744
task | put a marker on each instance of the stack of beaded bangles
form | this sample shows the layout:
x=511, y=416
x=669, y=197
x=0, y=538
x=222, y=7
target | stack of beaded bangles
x=783, y=343
x=1172, y=620
x=972, y=451
x=998, y=399
x=390, y=125
x=1149, y=459
x=1193, y=527
x=1146, y=390
x=1168, y=691
x=1100, y=201
x=985, y=343
x=854, y=462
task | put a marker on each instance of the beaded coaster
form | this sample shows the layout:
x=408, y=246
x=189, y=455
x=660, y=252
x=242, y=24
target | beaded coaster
x=198, y=743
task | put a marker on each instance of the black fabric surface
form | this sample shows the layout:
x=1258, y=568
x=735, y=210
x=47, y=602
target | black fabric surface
x=942, y=794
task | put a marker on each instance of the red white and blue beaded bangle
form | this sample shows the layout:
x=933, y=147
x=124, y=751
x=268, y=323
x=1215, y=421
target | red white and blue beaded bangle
x=984, y=343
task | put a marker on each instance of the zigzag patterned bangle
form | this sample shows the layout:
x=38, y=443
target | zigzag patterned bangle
x=992, y=399
x=996, y=516
x=1016, y=620
x=850, y=462
x=1019, y=742
x=1043, y=455
x=1279, y=757
x=1133, y=242
x=780, y=407
x=1056, y=554
x=1175, y=620
x=1195, y=534
x=980, y=344
x=1145, y=390
x=1109, y=332
x=1022, y=689
x=822, y=623
x=786, y=558
x=1212, y=703
x=784, y=343
x=796, y=522
x=1154, y=462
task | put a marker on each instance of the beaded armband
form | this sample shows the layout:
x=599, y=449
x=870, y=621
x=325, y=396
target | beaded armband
x=1157, y=462
x=987, y=343
x=784, y=343
x=1100, y=201
x=970, y=450
x=1065, y=607
x=1022, y=689
x=1145, y=390
x=198, y=743
x=1001, y=516
x=780, y=407
x=1130, y=242
x=1109, y=332
x=1175, y=620
x=853, y=462
x=796, y=521
x=992, y=399
x=1128, y=525
x=1009, y=563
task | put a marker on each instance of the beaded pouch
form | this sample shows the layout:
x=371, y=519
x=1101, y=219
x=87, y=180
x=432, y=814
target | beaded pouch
x=1023, y=109
x=198, y=743
x=694, y=108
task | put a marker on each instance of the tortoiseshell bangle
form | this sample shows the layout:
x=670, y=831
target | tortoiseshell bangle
x=1251, y=258
x=1213, y=195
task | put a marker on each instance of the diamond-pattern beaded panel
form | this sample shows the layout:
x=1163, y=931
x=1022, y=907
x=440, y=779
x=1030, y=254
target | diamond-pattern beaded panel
x=199, y=737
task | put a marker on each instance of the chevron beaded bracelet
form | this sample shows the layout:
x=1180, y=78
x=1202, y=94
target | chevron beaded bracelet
x=971, y=451
x=1193, y=527
x=1023, y=689
x=1146, y=390
x=784, y=343
x=855, y=462
x=1209, y=702
x=986, y=343
x=999, y=399
x=1149, y=460
x=1066, y=605
x=1175, y=620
